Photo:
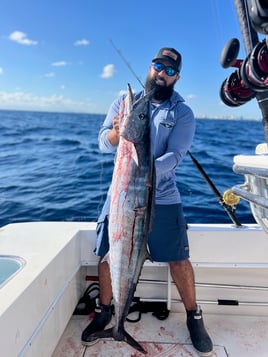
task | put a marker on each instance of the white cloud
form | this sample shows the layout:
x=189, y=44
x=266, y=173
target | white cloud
x=59, y=64
x=49, y=75
x=82, y=42
x=27, y=101
x=122, y=92
x=108, y=71
x=191, y=96
x=21, y=38
x=1, y=70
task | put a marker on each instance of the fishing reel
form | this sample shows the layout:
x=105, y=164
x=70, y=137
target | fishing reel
x=234, y=90
x=258, y=13
x=230, y=198
x=251, y=75
x=254, y=69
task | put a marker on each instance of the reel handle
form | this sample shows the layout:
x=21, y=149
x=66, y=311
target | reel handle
x=229, y=54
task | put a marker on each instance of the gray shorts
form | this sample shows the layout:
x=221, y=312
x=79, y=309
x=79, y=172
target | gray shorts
x=167, y=241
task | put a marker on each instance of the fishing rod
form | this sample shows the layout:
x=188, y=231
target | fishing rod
x=126, y=63
x=228, y=199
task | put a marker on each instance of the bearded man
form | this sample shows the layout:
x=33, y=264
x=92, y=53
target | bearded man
x=172, y=132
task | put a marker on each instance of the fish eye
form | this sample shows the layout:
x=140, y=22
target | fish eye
x=141, y=116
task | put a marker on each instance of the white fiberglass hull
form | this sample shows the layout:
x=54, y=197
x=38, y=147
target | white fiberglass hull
x=231, y=268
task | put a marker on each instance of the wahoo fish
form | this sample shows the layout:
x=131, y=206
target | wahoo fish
x=132, y=199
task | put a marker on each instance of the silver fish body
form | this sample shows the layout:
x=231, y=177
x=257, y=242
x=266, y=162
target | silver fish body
x=132, y=198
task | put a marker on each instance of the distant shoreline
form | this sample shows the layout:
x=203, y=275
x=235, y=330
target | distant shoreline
x=103, y=114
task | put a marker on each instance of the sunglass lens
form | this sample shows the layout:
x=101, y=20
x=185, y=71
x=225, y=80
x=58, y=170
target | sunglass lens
x=170, y=71
x=158, y=67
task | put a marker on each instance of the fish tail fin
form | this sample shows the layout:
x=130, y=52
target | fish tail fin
x=103, y=334
x=122, y=335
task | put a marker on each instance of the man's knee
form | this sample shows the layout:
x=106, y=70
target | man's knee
x=180, y=263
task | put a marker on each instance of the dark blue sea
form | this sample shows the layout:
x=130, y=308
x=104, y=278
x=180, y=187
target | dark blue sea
x=51, y=168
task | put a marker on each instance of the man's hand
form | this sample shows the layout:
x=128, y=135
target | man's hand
x=116, y=124
x=113, y=135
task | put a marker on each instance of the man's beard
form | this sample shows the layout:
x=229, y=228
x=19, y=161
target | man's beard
x=160, y=92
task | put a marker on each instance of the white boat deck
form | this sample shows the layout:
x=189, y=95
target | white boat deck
x=232, y=335
x=36, y=305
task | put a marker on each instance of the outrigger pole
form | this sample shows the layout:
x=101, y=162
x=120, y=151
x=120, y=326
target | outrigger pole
x=230, y=213
x=249, y=35
x=250, y=39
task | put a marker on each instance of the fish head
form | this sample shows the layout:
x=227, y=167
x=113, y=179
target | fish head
x=136, y=125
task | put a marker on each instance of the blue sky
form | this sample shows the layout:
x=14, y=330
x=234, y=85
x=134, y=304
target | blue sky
x=57, y=55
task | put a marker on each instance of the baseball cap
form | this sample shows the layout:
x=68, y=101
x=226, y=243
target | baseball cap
x=171, y=55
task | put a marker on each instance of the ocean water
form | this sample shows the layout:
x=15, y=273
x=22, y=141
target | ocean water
x=51, y=168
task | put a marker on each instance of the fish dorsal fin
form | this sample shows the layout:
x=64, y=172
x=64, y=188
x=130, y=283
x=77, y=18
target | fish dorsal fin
x=131, y=95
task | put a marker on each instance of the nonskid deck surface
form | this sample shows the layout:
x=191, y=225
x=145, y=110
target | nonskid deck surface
x=232, y=335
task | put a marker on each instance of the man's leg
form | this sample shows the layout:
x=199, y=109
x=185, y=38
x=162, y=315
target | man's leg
x=105, y=283
x=183, y=276
x=103, y=313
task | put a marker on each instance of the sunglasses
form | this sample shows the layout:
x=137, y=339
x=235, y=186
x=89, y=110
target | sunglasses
x=158, y=67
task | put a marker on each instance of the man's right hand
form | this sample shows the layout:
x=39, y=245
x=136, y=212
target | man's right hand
x=113, y=135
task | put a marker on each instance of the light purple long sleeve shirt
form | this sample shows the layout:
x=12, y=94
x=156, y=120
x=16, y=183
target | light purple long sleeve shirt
x=172, y=131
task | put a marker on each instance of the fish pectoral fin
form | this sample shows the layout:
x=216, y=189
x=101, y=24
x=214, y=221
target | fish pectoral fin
x=135, y=155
